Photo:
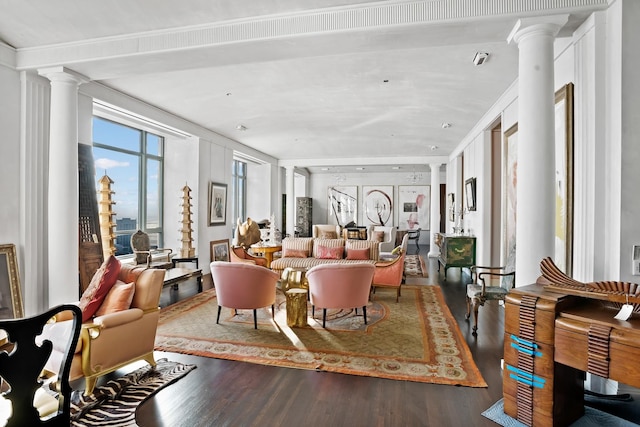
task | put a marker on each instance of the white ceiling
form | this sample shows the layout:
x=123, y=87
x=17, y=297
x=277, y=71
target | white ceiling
x=311, y=81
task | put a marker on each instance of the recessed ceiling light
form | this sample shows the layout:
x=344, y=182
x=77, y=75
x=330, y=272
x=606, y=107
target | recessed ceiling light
x=241, y=128
x=433, y=147
x=395, y=168
x=446, y=125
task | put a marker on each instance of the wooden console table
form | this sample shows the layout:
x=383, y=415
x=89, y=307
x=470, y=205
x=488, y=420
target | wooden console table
x=456, y=250
x=551, y=339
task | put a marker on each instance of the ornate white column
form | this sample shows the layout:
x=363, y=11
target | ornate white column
x=62, y=209
x=291, y=201
x=434, y=251
x=535, y=211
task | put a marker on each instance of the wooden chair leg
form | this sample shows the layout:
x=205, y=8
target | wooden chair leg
x=218, y=318
x=324, y=316
x=364, y=313
x=313, y=311
x=273, y=311
x=356, y=311
x=255, y=319
x=468, y=314
x=476, y=306
x=397, y=294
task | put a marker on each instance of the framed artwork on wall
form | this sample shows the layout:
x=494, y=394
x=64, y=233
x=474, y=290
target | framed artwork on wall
x=563, y=253
x=414, y=204
x=219, y=250
x=470, y=193
x=10, y=294
x=342, y=204
x=377, y=204
x=217, y=204
x=510, y=162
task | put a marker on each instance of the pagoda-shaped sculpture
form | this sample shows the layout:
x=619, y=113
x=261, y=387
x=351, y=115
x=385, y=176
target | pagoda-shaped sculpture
x=186, y=250
x=105, y=215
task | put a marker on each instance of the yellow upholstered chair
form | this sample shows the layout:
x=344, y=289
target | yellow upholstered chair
x=111, y=341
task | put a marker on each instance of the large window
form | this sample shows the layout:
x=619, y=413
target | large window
x=133, y=159
x=239, y=191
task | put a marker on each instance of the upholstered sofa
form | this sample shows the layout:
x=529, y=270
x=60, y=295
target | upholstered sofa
x=307, y=252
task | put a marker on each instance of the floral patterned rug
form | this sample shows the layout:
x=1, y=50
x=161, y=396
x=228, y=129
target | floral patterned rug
x=414, y=266
x=416, y=339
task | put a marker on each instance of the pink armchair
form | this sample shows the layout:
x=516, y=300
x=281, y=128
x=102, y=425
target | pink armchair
x=389, y=274
x=340, y=286
x=244, y=286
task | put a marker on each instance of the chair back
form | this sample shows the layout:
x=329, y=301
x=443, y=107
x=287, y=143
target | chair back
x=243, y=286
x=319, y=229
x=22, y=365
x=340, y=285
x=140, y=243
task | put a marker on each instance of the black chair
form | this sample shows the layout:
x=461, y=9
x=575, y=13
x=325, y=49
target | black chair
x=22, y=360
x=415, y=235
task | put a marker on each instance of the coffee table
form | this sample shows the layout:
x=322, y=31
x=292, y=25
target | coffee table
x=174, y=276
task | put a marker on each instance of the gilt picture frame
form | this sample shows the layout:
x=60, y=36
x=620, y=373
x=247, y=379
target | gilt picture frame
x=10, y=291
x=219, y=250
x=563, y=253
x=217, y=204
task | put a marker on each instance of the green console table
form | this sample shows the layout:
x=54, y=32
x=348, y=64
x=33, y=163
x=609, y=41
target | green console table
x=455, y=251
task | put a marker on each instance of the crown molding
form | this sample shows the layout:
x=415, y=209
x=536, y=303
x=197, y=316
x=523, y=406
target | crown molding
x=339, y=19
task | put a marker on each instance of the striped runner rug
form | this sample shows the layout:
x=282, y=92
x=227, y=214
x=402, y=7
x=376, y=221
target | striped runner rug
x=115, y=403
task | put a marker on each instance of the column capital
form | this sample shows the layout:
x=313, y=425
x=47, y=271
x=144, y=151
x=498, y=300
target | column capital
x=63, y=74
x=542, y=26
x=435, y=166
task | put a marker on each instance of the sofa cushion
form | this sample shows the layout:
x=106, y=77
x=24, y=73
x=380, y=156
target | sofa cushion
x=358, y=253
x=119, y=298
x=327, y=243
x=101, y=283
x=324, y=252
x=372, y=245
x=296, y=253
x=297, y=243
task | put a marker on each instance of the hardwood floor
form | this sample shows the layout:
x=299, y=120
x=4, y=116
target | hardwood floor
x=227, y=393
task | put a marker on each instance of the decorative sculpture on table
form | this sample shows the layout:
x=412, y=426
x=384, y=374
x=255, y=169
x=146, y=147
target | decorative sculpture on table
x=106, y=214
x=186, y=250
x=247, y=233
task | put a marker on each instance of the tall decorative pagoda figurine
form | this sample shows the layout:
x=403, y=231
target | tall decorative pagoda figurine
x=186, y=250
x=106, y=214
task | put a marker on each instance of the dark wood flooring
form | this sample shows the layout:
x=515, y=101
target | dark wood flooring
x=227, y=393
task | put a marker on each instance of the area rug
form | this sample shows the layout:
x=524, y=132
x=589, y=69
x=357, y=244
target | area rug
x=414, y=266
x=115, y=403
x=592, y=418
x=416, y=339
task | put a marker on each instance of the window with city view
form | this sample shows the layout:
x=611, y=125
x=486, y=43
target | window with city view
x=133, y=159
x=238, y=190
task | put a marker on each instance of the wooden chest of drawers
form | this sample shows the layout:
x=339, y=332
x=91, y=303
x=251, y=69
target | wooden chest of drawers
x=535, y=388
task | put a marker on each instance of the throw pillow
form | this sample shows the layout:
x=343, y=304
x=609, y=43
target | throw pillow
x=378, y=236
x=396, y=250
x=358, y=253
x=119, y=298
x=100, y=285
x=328, y=235
x=324, y=252
x=295, y=253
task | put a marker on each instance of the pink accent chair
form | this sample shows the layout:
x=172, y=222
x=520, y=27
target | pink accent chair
x=389, y=274
x=240, y=254
x=244, y=286
x=340, y=286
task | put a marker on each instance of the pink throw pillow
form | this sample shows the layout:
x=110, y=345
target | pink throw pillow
x=119, y=298
x=358, y=253
x=324, y=252
x=101, y=283
x=295, y=253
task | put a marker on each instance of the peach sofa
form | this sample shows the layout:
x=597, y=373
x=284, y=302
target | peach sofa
x=307, y=252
